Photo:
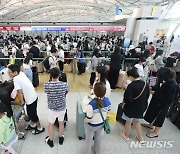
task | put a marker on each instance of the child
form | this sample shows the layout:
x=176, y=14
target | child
x=8, y=135
x=56, y=93
x=93, y=121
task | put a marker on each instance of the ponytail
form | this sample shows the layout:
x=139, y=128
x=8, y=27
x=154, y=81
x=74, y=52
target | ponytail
x=99, y=103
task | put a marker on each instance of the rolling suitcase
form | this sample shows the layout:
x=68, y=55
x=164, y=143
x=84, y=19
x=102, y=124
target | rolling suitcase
x=175, y=112
x=80, y=115
x=35, y=77
x=121, y=79
x=119, y=114
x=4, y=76
x=83, y=67
x=170, y=109
x=40, y=67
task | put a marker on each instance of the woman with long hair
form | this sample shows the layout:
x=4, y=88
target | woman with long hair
x=27, y=64
x=115, y=66
x=94, y=63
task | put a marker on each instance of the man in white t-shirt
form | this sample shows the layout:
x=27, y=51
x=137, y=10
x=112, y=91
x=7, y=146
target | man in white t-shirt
x=61, y=58
x=52, y=59
x=27, y=94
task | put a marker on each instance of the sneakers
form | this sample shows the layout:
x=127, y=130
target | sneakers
x=61, y=140
x=49, y=142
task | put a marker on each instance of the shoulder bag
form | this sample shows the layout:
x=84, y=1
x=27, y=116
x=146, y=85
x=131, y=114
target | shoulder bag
x=106, y=123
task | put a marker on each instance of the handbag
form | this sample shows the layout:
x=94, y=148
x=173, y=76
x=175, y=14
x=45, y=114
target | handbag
x=106, y=124
x=123, y=103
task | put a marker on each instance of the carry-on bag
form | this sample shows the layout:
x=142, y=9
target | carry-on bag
x=80, y=115
x=121, y=79
x=120, y=113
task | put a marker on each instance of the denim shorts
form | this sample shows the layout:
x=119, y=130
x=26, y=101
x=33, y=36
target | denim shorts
x=130, y=119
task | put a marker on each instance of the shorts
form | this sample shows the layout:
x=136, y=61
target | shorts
x=32, y=111
x=52, y=115
x=130, y=119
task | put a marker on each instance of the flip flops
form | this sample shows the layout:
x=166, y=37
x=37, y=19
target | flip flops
x=123, y=135
x=141, y=141
x=151, y=136
x=145, y=125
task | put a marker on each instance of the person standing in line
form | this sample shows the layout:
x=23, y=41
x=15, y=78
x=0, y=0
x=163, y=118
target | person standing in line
x=27, y=94
x=80, y=61
x=94, y=63
x=61, y=58
x=115, y=66
x=93, y=121
x=27, y=64
x=8, y=134
x=162, y=95
x=52, y=58
x=136, y=101
x=56, y=93
x=140, y=68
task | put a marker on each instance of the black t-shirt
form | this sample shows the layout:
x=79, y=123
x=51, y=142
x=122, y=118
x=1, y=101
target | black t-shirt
x=35, y=51
x=170, y=61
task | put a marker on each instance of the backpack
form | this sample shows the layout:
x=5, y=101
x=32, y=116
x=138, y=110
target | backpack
x=46, y=63
x=63, y=77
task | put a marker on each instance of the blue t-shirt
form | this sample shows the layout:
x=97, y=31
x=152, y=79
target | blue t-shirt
x=79, y=53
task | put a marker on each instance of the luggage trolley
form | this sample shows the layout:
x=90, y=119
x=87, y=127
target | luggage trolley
x=18, y=112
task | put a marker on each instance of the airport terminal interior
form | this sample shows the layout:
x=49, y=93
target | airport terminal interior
x=65, y=50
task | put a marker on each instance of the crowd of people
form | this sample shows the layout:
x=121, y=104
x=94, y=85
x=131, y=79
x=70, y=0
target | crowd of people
x=101, y=82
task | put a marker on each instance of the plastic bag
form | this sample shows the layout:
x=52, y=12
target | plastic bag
x=111, y=117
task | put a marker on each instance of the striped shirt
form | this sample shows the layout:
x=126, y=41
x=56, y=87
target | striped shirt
x=56, y=94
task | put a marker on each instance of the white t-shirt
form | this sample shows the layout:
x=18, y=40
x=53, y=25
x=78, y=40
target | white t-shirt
x=25, y=49
x=52, y=62
x=14, y=49
x=61, y=55
x=22, y=82
x=140, y=70
x=27, y=65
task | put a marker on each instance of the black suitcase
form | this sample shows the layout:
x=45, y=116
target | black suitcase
x=170, y=108
x=175, y=112
x=83, y=68
x=63, y=77
x=119, y=114
x=35, y=80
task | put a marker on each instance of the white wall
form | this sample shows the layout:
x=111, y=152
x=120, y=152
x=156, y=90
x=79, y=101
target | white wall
x=147, y=28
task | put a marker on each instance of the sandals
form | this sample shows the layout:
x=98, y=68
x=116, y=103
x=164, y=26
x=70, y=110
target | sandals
x=123, y=135
x=145, y=125
x=151, y=136
x=30, y=128
x=141, y=141
x=37, y=131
